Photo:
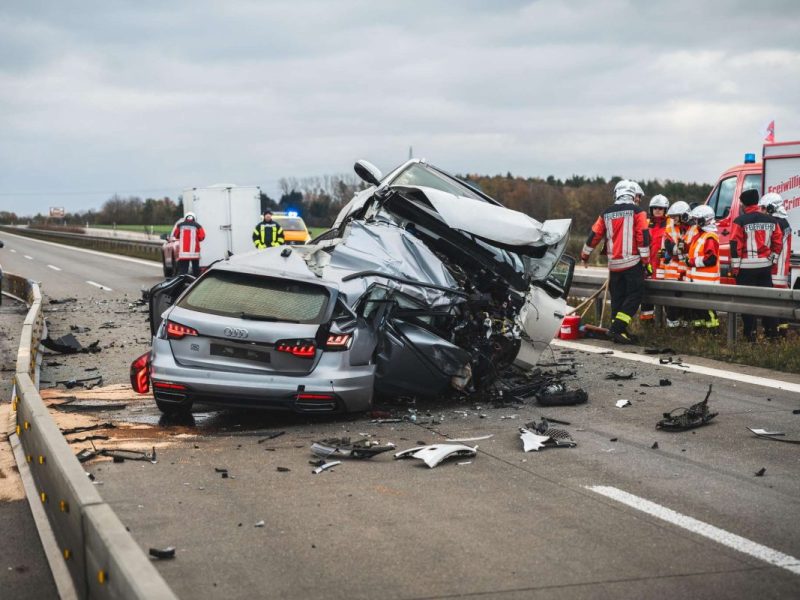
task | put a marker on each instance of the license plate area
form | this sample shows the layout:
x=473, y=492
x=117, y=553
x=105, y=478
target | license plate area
x=251, y=354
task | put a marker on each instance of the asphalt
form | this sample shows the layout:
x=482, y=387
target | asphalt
x=506, y=524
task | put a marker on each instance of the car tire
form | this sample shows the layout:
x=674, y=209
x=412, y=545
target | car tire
x=170, y=408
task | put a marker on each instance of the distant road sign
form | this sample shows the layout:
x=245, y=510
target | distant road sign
x=57, y=212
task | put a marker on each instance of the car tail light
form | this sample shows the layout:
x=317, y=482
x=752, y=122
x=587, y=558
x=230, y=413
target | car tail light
x=140, y=374
x=321, y=397
x=166, y=385
x=339, y=341
x=176, y=331
x=303, y=348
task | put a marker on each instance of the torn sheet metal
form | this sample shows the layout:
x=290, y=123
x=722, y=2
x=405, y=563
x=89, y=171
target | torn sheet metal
x=362, y=448
x=433, y=455
x=689, y=418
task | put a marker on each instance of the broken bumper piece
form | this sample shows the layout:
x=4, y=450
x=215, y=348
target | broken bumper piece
x=337, y=447
x=436, y=453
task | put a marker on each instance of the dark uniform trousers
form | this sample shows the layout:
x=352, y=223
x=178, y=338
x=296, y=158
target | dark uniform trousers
x=759, y=278
x=626, y=289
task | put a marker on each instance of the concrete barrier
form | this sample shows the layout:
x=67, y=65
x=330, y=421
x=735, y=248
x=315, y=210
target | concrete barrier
x=101, y=557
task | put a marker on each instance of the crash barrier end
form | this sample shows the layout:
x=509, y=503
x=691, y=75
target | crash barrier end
x=101, y=557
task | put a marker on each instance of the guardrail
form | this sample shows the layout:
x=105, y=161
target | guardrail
x=101, y=557
x=731, y=299
x=149, y=250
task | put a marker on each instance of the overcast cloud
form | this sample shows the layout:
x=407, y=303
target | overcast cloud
x=147, y=98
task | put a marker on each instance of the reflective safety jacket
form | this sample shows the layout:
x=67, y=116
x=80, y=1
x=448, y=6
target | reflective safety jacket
x=756, y=240
x=703, y=258
x=624, y=227
x=657, y=229
x=189, y=235
x=267, y=234
x=781, y=269
x=676, y=245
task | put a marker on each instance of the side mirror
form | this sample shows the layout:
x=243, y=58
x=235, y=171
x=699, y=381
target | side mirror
x=368, y=172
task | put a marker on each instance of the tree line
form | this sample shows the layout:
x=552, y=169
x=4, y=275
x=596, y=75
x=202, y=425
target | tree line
x=319, y=199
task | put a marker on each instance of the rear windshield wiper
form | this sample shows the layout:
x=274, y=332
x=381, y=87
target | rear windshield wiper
x=252, y=317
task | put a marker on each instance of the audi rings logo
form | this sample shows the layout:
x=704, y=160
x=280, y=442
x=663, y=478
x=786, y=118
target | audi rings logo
x=235, y=332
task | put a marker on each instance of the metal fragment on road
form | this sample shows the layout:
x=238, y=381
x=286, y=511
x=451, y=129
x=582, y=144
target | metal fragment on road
x=326, y=466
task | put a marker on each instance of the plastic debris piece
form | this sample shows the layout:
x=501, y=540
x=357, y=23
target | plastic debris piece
x=694, y=416
x=259, y=524
x=562, y=397
x=760, y=472
x=282, y=469
x=163, y=553
x=531, y=441
x=617, y=375
x=540, y=435
x=778, y=437
x=622, y=403
x=326, y=466
x=654, y=446
x=466, y=462
x=765, y=432
x=614, y=440
x=472, y=439
x=435, y=454
x=362, y=448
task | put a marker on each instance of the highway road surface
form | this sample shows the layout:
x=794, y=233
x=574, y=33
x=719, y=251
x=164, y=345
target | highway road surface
x=631, y=512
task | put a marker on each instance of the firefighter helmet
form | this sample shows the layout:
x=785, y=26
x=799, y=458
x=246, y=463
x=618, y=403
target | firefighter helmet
x=623, y=189
x=703, y=215
x=190, y=216
x=658, y=201
x=679, y=211
x=773, y=203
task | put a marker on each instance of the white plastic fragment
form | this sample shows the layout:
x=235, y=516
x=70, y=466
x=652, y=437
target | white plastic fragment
x=531, y=440
x=326, y=466
x=259, y=524
x=435, y=454
x=623, y=403
x=765, y=432
x=472, y=439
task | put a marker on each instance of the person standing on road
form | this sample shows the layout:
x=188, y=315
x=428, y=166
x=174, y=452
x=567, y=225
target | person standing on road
x=756, y=244
x=623, y=225
x=772, y=204
x=189, y=234
x=673, y=250
x=267, y=233
x=658, y=221
x=702, y=259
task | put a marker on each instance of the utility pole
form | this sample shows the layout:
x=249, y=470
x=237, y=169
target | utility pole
x=410, y=152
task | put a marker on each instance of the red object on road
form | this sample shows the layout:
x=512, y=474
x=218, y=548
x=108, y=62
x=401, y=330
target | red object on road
x=570, y=328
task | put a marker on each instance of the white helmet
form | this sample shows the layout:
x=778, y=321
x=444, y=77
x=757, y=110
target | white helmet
x=625, y=189
x=703, y=215
x=638, y=188
x=679, y=211
x=773, y=202
x=659, y=201
x=190, y=215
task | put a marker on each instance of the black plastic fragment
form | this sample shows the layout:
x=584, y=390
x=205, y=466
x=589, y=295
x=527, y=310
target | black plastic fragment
x=163, y=553
x=760, y=472
x=562, y=397
x=654, y=446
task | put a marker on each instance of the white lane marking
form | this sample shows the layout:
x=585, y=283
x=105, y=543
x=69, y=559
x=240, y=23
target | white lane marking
x=138, y=261
x=12, y=250
x=55, y=268
x=100, y=285
x=28, y=257
x=777, y=384
x=726, y=538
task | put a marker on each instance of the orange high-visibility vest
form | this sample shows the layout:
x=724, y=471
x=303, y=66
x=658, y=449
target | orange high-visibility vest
x=702, y=274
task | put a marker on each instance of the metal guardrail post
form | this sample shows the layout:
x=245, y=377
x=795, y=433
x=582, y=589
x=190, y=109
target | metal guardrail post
x=732, y=321
x=101, y=557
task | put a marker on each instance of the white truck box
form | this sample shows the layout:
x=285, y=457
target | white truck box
x=782, y=175
x=228, y=213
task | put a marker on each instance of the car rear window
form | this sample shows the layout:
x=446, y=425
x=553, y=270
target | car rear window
x=236, y=294
x=291, y=223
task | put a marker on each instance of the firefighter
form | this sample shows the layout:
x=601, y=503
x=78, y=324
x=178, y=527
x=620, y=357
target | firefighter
x=658, y=221
x=772, y=204
x=702, y=259
x=627, y=239
x=267, y=233
x=189, y=234
x=673, y=248
x=756, y=243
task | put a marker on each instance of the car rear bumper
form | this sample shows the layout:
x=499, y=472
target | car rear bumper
x=331, y=387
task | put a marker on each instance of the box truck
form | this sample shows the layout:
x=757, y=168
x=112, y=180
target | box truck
x=227, y=213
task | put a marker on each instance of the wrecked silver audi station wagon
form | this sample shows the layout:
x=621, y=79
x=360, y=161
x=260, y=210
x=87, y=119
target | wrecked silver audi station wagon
x=423, y=286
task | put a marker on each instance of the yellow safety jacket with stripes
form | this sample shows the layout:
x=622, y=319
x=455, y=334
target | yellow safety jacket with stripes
x=267, y=234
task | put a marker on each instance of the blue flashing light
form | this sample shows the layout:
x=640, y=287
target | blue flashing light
x=291, y=213
x=749, y=158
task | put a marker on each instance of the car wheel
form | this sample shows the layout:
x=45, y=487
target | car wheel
x=170, y=408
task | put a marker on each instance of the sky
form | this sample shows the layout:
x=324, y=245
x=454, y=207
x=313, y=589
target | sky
x=148, y=98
